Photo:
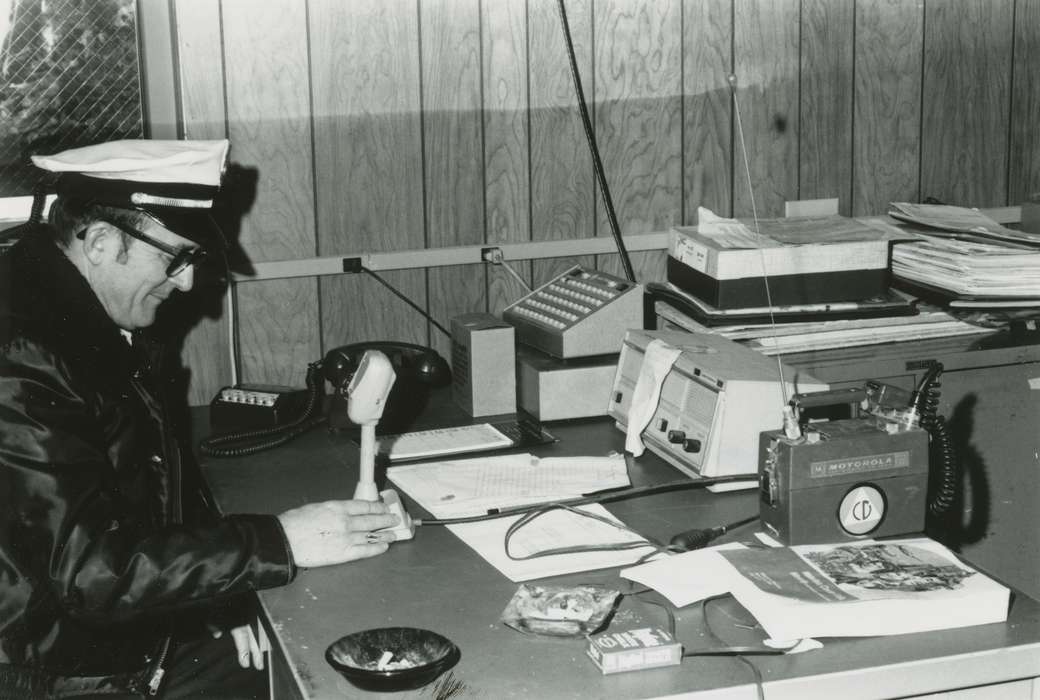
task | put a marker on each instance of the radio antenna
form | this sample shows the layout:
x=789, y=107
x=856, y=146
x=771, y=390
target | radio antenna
x=590, y=136
x=732, y=79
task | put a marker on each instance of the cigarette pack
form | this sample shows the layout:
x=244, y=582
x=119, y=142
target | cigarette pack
x=633, y=649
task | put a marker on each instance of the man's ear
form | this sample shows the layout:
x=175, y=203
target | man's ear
x=98, y=238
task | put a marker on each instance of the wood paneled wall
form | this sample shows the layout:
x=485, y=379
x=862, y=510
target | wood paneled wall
x=374, y=125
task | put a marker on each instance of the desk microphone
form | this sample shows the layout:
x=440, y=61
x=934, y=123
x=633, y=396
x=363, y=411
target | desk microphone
x=366, y=399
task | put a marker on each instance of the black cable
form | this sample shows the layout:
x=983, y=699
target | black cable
x=604, y=497
x=590, y=136
x=408, y=301
x=701, y=537
x=758, y=651
x=575, y=549
x=737, y=651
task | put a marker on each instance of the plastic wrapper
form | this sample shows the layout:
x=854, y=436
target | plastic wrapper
x=560, y=611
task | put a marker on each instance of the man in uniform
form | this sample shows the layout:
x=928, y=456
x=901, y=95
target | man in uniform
x=109, y=564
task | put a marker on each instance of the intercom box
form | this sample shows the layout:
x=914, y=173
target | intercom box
x=245, y=406
x=715, y=400
x=580, y=313
x=731, y=276
x=549, y=388
x=483, y=357
x=843, y=480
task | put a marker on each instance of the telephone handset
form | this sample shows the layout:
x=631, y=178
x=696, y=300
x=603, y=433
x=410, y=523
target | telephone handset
x=263, y=410
x=411, y=362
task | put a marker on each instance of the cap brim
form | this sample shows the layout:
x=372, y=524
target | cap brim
x=195, y=225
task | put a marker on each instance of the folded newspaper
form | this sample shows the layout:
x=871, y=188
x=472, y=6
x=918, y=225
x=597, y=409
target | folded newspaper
x=855, y=589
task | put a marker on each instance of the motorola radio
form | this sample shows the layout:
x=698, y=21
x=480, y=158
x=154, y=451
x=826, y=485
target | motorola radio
x=861, y=477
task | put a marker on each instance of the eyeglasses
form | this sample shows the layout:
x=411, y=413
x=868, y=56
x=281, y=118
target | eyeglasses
x=180, y=258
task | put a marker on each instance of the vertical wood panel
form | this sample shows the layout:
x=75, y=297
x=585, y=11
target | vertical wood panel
x=967, y=63
x=765, y=41
x=368, y=162
x=562, y=189
x=206, y=349
x=1024, y=170
x=825, y=142
x=269, y=124
x=707, y=108
x=506, y=151
x=638, y=120
x=886, y=144
x=433, y=149
x=454, y=159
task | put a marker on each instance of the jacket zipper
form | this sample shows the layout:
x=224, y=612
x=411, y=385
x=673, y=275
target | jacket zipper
x=159, y=671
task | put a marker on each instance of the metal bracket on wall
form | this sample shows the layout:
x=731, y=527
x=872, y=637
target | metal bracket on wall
x=442, y=257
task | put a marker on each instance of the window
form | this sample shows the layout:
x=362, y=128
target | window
x=70, y=75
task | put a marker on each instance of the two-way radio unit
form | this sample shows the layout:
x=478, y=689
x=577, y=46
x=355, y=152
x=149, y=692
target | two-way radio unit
x=861, y=477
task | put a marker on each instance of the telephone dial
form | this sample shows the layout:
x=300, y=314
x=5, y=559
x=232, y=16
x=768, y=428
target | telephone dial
x=255, y=418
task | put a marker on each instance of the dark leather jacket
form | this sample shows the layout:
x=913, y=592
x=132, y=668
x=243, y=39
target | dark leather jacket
x=97, y=555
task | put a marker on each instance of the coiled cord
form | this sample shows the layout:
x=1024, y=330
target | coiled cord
x=942, y=445
x=925, y=400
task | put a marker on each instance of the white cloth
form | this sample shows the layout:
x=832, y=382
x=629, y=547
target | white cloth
x=144, y=160
x=657, y=362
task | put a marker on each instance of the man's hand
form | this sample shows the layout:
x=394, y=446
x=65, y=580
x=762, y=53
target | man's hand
x=333, y=532
x=247, y=647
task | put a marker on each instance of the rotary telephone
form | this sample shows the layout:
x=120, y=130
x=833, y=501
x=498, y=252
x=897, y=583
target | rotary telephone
x=251, y=418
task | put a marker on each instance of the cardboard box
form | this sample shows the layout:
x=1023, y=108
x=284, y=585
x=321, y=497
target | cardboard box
x=634, y=649
x=851, y=267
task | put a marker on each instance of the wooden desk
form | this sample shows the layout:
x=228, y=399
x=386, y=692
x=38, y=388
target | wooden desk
x=435, y=581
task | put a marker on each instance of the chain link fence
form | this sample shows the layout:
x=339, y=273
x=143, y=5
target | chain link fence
x=69, y=76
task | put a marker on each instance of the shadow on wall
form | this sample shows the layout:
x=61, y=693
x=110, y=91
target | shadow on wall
x=183, y=311
x=969, y=517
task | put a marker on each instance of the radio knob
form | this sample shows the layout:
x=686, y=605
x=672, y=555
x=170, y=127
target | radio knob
x=691, y=445
x=676, y=436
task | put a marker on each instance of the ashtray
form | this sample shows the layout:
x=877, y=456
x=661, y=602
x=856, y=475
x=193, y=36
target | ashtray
x=392, y=658
x=559, y=611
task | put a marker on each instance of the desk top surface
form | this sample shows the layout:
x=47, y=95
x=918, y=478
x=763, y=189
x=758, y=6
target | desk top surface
x=436, y=582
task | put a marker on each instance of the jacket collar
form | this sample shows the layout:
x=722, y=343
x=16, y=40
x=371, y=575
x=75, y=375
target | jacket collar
x=58, y=298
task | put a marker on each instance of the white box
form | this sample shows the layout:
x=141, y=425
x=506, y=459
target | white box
x=483, y=359
x=552, y=389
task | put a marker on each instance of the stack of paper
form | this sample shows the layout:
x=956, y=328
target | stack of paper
x=782, y=338
x=969, y=269
x=953, y=221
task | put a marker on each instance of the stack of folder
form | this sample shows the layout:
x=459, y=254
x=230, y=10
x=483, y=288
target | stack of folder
x=964, y=259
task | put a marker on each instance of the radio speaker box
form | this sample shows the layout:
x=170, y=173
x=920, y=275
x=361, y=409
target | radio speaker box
x=483, y=359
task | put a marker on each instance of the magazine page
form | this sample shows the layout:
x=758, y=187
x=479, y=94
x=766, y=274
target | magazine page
x=862, y=589
x=857, y=571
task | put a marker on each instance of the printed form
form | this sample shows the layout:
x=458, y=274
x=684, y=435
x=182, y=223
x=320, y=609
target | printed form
x=474, y=486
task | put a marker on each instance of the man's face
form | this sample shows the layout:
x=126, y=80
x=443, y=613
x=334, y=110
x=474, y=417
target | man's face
x=132, y=282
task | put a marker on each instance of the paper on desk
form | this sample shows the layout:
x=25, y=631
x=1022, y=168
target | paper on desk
x=557, y=528
x=688, y=577
x=455, y=488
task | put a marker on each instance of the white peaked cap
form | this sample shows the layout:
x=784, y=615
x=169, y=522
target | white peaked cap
x=144, y=161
